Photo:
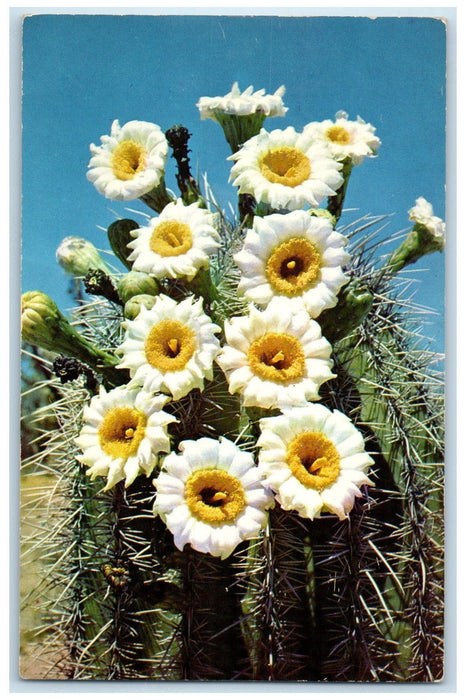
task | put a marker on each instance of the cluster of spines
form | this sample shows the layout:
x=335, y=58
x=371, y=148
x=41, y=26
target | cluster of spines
x=320, y=601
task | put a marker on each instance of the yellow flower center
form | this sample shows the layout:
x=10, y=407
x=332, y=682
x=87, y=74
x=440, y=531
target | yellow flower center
x=214, y=496
x=277, y=357
x=128, y=159
x=121, y=431
x=293, y=267
x=171, y=237
x=170, y=345
x=285, y=165
x=313, y=459
x=338, y=134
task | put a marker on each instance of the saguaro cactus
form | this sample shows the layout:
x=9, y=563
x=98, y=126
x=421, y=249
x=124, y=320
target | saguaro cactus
x=247, y=463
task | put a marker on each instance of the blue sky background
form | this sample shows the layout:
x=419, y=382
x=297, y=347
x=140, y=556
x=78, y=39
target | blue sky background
x=82, y=71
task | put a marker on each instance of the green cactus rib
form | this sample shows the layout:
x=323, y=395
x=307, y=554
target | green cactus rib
x=395, y=405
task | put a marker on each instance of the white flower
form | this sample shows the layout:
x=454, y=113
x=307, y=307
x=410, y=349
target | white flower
x=276, y=357
x=314, y=460
x=345, y=139
x=243, y=103
x=422, y=213
x=285, y=169
x=211, y=496
x=294, y=256
x=177, y=243
x=130, y=162
x=170, y=347
x=123, y=432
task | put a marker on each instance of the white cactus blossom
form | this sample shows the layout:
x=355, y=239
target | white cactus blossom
x=285, y=169
x=177, y=243
x=275, y=358
x=345, y=139
x=296, y=257
x=170, y=347
x=123, y=433
x=243, y=103
x=130, y=161
x=211, y=496
x=314, y=460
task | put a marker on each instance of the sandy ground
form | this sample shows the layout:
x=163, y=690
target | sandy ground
x=33, y=663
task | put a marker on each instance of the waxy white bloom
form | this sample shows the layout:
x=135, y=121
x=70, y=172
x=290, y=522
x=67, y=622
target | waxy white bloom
x=294, y=256
x=211, y=496
x=276, y=357
x=130, y=162
x=423, y=213
x=285, y=169
x=354, y=140
x=314, y=460
x=243, y=103
x=177, y=243
x=170, y=347
x=123, y=433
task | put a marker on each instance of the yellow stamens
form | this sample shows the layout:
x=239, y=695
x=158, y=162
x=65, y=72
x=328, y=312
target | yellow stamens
x=285, y=165
x=171, y=237
x=277, y=357
x=128, y=159
x=170, y=345
x=293, y=267
x=214, y=496
x=173, y=345
x=121, y=431
x=219, y=496
x=314, y=460
x=338, y=134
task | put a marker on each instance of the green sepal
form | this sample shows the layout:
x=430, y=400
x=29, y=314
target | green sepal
x=119, y=235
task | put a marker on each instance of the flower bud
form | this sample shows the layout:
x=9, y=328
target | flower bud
x=427, y=236
x=76, y=256
x=136, y=283
x=40, y=319
x=133, y=306
x=43, y=324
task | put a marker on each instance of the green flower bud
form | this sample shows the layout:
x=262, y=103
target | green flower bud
x=41, y=320
x=119, y=235
x=133, y=306
x=76, y=256
x=136, y=283
x=43, y=324
x=421, y=241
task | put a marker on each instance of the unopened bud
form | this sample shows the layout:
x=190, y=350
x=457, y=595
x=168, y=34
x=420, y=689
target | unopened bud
x=77, y=256
x=134, y=305
x=40, y=320
x=135, y=283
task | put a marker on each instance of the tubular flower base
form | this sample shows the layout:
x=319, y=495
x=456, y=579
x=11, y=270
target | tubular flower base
x=240, y=453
